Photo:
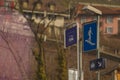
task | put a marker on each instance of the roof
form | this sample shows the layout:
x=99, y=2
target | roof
x=109, y=2
x=106, y=10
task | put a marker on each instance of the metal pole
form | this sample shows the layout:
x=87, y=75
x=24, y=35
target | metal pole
x=81, y=70
x=78, y=53
x=79, y=56
x=98, y=41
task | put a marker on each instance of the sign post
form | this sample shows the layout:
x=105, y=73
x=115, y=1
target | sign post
x=72, y=37
x=98, y=42
x=98, y=12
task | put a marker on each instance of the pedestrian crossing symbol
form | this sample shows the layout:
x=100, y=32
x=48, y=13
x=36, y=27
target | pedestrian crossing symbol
x=90, y=36
x=89, y=40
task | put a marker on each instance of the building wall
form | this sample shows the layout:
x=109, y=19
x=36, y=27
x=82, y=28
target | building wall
x=71, y=58
x=114, y=24
x=16, y=59
x=103, y=23
x=14, y=64
x=59, y=20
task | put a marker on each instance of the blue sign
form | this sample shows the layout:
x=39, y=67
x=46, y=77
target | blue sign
x=90, y=36
x=97, y=64
x=71, y=36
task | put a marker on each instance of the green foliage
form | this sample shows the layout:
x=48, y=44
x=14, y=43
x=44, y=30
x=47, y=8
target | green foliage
x=40, y=73
x=62, y=66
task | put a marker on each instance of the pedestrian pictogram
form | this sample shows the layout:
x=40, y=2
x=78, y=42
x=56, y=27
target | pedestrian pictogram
x=90, y=36
x=89, y=40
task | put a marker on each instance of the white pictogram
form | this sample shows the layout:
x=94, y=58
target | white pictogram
x=71, y=38
x=89, y=40
x=92, y=65
x=99, y=64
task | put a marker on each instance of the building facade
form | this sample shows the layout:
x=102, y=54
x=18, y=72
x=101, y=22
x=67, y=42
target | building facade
x=109, y=25
x=109, y=20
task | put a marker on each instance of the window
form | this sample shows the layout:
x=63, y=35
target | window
x=38, y=6
x=109, y=30
x=94, y=17
x=83, y=19
x=109, y=19
x=25, y=4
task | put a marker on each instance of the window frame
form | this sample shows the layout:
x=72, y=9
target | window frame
x=109, y=30
x=83, y=19
x=109, y=19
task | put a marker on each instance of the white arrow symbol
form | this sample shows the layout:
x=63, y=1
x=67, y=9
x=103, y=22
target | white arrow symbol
x=99, y=64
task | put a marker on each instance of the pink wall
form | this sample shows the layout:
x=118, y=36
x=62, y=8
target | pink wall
x=114, y=25
x=11, y=64
x=16, y=59
x=104, y=24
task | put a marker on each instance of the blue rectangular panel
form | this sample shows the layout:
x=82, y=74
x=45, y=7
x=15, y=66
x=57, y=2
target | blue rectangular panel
x=90, y=36
x=71, y=36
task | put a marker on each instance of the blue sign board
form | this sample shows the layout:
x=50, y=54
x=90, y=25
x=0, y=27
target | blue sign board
x=90, y=36
x=71, y=36
x=97, y=64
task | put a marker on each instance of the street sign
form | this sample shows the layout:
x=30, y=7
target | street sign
x=70, y=36
x=97, y=64
x=89, y=36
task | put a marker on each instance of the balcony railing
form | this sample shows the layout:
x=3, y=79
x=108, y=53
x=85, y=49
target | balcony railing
x=113, y=54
